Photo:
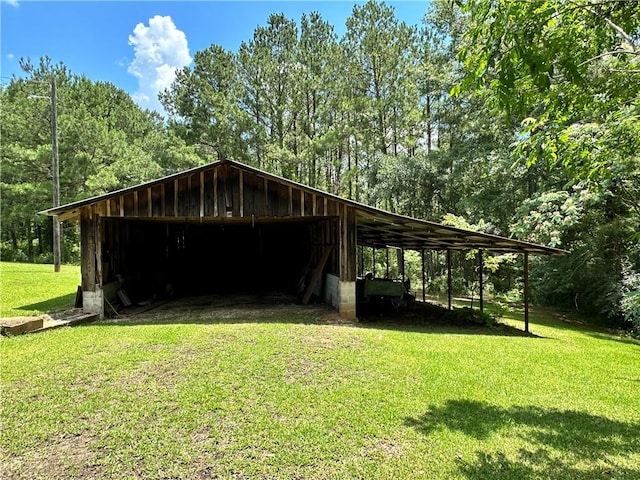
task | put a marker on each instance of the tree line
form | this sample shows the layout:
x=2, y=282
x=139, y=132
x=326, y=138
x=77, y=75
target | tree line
x=519, y=117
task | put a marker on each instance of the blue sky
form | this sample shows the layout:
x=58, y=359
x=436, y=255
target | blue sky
x=138, y=45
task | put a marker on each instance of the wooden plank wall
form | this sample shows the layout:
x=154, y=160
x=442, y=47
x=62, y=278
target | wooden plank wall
x=223, y=191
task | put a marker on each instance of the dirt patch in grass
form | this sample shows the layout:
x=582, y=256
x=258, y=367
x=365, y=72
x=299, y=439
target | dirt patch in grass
x=70, y=457
x=227, y=309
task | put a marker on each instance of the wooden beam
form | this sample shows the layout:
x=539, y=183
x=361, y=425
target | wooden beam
x=324, y=208
x=241, y=181
x=201, y=194
x=302, y=203
x=175, y=197
x=163, y=203
x=449, y=280
x=266, y=197
x=290, y=201
x=149, y=203
x=121, y=200
x=135, y=203
x=317, y=274
x=313, y=198
x=481, y=279
x=188, y=196
x=526, y=291
x=109, y=208
x=215, y=192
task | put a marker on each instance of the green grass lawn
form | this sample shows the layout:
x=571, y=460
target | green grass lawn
x=251, y=392
x=30, y=289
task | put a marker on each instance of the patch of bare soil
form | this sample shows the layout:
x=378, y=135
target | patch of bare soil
x=236, y=308
x=70, y=457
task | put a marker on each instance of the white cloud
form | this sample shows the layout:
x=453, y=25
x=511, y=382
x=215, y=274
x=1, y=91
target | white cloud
x=10, y=56
x=13, y=3
x=160, y=49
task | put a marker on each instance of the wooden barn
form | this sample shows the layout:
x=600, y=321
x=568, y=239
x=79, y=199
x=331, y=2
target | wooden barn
x=229, y=227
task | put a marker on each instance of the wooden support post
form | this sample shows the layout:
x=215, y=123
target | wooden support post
x=424, y=297
x=135, y=203
x=149, y=203
x=347, y=242
x=324, y=207
x=400, y=260
x=290, y=201
x=481, y=279
x=302, y=203
x=87, y=250
x=526, y=291
x=449, y=281
x=313, y=207
x=387, y=258
x=97, y=223
x=361, y=261
x=109, y=208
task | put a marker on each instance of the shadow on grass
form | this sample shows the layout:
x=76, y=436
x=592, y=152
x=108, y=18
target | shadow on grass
x=568, y=444
x=51, y=305
x=613, y=337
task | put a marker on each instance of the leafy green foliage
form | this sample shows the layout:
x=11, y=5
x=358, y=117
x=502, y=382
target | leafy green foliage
x=566, y=74
x=106, y=142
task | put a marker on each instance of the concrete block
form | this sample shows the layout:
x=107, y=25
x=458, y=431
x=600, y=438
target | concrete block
x=347, y=306
x=93, y=302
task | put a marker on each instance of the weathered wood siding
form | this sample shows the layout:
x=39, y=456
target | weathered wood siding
x=224, y=191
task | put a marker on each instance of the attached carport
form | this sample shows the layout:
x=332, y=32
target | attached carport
x=380, y=230
x=230, y=227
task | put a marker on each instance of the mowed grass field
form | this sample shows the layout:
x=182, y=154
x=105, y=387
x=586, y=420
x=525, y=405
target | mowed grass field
x=31, y=289
x=221, y=389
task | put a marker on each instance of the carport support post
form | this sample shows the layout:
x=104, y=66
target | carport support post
x=526, y=291
x=387, y=253
x=90, y=242
x=347, y=304
x=373, y=261
x=481, y=280
x=449, y=282
x=424, y=298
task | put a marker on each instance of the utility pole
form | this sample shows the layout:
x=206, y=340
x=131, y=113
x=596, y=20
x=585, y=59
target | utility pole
x=56, y=174
x=55, y=167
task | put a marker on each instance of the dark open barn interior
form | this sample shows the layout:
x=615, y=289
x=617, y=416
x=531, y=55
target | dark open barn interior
x=157, y=259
